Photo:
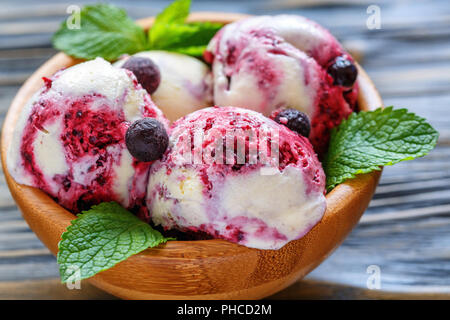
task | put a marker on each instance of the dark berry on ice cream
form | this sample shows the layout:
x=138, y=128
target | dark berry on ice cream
x=185, y=82
x=69, y=140
x=147, y=139
x=271, y=195
x=146, y=72
x=343, y=71
x=295, y=120
x=285, y=61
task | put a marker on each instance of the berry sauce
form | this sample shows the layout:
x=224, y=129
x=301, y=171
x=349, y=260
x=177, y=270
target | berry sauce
x=251, y=45
x=217, y=123
x=92, y=142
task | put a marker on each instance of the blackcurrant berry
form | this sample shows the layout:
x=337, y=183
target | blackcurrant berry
x=146, y=139
x=295, y=120
x=343, y=71
x=146, y=72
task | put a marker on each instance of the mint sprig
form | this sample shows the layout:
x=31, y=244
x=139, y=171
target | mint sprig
x=100, y=238
x=190, y=39
x=106, y=31
x=367, y=141
x=170, y=31
x=176, y=12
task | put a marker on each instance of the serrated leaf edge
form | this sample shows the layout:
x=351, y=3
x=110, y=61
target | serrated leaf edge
x=335, y=131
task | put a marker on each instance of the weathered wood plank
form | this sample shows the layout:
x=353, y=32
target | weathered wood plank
x=313, y=289
x=48, y=289
x=412, y=254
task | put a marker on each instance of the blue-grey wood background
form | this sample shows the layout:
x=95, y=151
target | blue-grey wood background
x=405, y=232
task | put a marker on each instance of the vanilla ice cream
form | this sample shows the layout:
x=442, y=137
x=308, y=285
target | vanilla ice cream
x=186, y=83
x=69, y=139
x=269, y=62
x=234, y=174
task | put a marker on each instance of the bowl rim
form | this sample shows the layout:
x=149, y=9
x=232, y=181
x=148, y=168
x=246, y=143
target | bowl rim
x=29, y=198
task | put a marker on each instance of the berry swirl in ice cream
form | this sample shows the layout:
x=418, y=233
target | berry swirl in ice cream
x=269, y=62
x=70, y=139
x=234, y=174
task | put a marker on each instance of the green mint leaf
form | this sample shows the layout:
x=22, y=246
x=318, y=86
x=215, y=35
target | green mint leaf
x=175, y=13
x=105, y=31
x=171, y=33
x=100, y=238
x=190, y=38
x=368, y=140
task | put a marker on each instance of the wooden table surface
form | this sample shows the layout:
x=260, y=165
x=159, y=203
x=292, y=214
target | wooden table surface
x=406, y=230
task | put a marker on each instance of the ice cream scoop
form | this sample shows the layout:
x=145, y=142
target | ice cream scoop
x=234, y=174
x=69, y=140
x=185, y=85
x=269, y=62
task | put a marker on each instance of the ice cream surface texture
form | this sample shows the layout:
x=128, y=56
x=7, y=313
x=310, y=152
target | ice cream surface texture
x=186, y=83
x=237, y=175
x=69, y=139
x=268, y=62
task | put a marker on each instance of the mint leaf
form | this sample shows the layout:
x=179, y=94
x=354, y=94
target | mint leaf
x=170, y=32
x=190, y=38
x=175, y=13
x=368, y=140
x=100, y=238
x=105, y=31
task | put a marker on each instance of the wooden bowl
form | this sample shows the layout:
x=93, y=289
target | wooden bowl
x=208, y=269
